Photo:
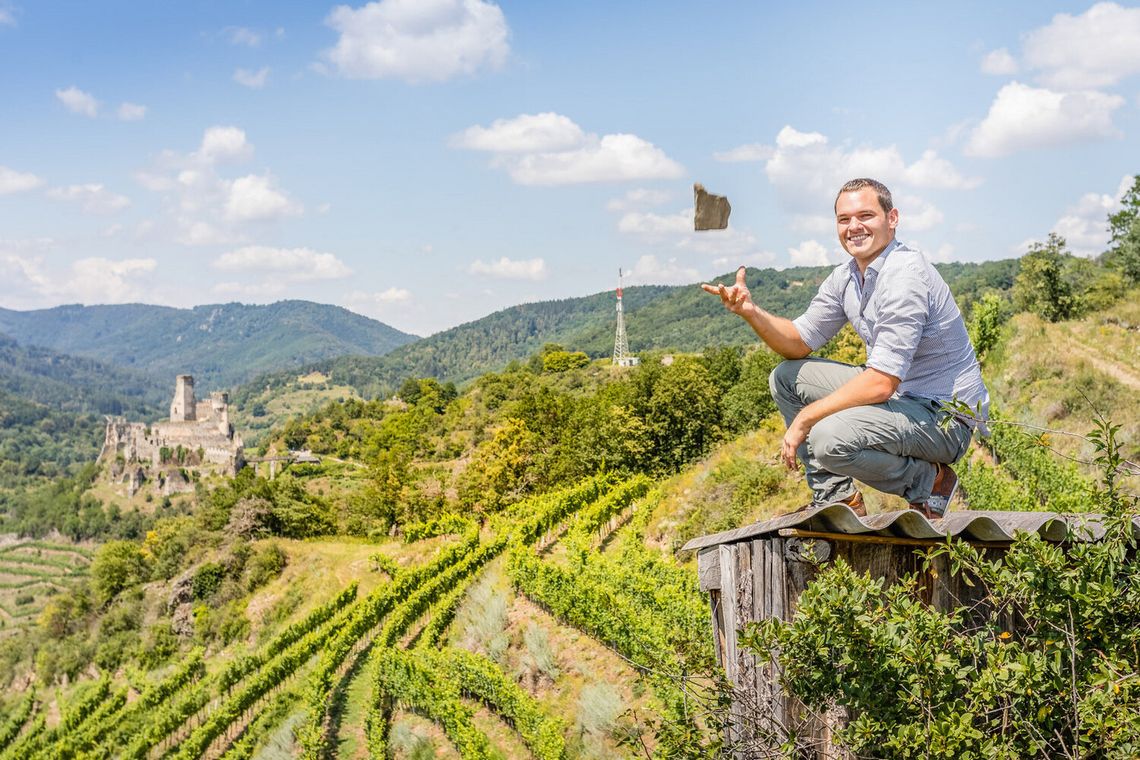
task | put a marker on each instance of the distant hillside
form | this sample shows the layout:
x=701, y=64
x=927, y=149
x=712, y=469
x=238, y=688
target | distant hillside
x=667, y=318
x=52, y=407
x=221, y=345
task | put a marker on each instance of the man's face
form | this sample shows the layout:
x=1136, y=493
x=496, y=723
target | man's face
x=864, y=228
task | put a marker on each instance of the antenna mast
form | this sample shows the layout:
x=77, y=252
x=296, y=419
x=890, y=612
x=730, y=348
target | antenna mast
x=621, y=343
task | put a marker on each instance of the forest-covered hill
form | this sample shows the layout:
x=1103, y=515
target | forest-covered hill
x=220, y=344
x=658, y=318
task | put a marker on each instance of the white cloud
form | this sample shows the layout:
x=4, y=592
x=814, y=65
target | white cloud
x=811, y=253
x=550, y=149
x=932, y=171
x=1094, y=50
x=240, y=35
x=1024, y=118
x=613, y=158
x=296, y=264
x=762, y=259
x=508, y=269
x=12, y=181
x=418, y=40
x=526, y=133
x=254, y=80
x=131, y=112
x=916, y=215
x=96, y=198
x=88, y=280
x=78, y=101
x=1084, y=225
x=253, y=198
x=654, y=227
x=999, y=63
x=649, y=270
x=224, y=144
x=744, y=153
x=6, y=17
x=807, y=170
x=394, y=295
x=638, y=198
x=813, y=224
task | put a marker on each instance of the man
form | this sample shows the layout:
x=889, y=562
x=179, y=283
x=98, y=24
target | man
x=881, y=423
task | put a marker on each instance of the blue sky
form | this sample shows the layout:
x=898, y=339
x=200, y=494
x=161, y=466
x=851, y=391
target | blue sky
x=426, y=162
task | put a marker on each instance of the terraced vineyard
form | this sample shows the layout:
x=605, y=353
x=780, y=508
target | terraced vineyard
x=31, y=572
x=339, y=678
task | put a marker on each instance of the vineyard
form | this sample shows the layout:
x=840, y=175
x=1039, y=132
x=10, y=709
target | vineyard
x=576, y=553
x=31, y=572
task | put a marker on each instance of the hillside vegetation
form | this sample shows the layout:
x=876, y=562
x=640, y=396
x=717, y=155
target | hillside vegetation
x=220, y=344
x=491, y=569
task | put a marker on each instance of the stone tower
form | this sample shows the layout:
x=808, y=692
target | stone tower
x=183, y=408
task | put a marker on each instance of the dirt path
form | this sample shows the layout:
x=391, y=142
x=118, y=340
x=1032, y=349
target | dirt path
x=1122, y=373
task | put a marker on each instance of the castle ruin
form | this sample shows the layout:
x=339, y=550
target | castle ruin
x=198, y=433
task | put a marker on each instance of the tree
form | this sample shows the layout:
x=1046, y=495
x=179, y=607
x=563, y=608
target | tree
x=986, y=322
x=1041, y=286
x=117, y=565
x=1124, y=227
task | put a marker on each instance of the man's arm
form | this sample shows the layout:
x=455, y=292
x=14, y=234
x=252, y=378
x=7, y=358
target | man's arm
x=779, y=333
x=869, y=387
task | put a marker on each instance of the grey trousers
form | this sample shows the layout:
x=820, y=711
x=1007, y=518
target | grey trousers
x=889, y=446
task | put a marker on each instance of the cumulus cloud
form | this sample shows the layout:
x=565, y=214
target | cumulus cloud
x=508, y=269
x=1025, y=118
x=94, y=197
x=220, y=144
x=999, y=63
x=254, y=198
x=916, y=215
x=806, y=170
x=88, y=280
x=649, y=270
x=745, y=153
x=131, y=112
x=526, y=133
x=676, y=230
x=203, y=207
x=6, y=17
x=254, y=80
x=1093, y=50
x=295, y=264
x=653, y=226
x=1084, y=224
x=78, y=101
x=12, y=181
x=550, y=149
x=811, y=253
x=418, y=40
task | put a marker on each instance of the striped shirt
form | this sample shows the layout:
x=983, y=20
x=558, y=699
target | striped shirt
x=904, y=311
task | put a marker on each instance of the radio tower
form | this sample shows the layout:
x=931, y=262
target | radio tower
x=621, y=343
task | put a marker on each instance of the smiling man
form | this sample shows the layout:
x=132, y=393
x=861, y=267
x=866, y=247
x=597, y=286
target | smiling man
x=880, y=423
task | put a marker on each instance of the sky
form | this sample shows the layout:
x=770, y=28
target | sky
x=428, y=162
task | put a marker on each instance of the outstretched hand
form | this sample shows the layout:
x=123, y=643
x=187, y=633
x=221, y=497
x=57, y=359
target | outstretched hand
x=736, y=298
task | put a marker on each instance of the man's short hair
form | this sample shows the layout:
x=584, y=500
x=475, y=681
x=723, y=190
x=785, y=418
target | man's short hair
x=880, y=189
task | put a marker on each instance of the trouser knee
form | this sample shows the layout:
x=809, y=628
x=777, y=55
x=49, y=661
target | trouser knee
x=782, y=380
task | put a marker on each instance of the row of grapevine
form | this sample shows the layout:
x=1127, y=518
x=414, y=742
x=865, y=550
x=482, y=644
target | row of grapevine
x=408, y=680
x=450, y=523
x=442, y=613
x=351, y=634
x=76, y=743
x=11, y=728
x=482, y=679
x=125, y=723
x=268, y=719
x=36, y=739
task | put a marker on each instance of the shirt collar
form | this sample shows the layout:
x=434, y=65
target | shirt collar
x=874, y=266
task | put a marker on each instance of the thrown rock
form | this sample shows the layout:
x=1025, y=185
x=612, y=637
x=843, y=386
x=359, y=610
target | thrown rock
x=711, y=210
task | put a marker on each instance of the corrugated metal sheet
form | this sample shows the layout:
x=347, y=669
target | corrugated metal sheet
x=966, y=524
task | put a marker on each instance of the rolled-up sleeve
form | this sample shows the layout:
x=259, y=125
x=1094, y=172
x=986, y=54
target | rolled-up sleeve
x=904, y=305
x=824, y=317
